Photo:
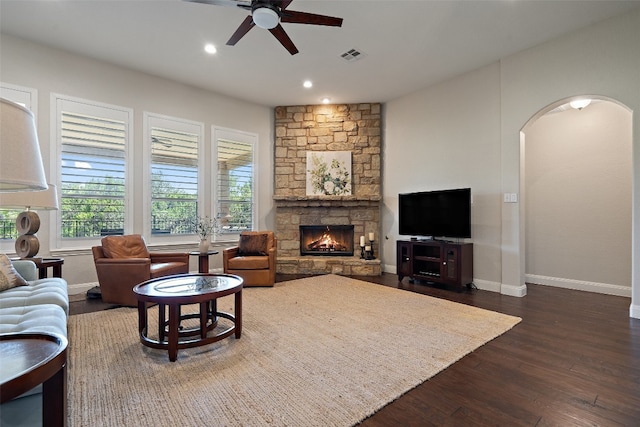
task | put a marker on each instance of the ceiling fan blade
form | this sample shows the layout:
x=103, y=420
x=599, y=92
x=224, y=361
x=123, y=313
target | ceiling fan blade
x=284, y=4
x=244, y=4
x=293, y=17
x=243, y=29
x=283, y=38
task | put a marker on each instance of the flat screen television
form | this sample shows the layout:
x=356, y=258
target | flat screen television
x=442, y=213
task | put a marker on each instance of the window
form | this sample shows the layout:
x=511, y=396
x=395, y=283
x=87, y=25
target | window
x=92, y=144
x=235, y=184
x=28, y=98
x=173, y=196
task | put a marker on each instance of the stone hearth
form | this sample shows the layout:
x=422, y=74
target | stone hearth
x=354, y=128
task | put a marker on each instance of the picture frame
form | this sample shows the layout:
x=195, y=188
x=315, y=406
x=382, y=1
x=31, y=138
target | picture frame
x=328, y=173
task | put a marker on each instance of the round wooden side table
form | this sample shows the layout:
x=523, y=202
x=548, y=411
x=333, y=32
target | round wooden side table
x=203, y=260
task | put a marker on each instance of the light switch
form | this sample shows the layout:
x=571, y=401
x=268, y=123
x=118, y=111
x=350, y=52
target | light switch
x=511, y=197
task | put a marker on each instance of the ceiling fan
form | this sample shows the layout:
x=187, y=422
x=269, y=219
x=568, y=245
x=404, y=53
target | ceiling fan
x=268, y=15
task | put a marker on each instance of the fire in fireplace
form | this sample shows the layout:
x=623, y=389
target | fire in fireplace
x=326, y=240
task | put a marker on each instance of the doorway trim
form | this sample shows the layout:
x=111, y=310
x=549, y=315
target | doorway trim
x=570, y=284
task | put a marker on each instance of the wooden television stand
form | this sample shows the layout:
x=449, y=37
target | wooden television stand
x=435, y=261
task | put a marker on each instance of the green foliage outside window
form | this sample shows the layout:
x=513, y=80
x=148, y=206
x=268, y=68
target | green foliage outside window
x=173, y=208
x=95, y=209
x=92, y=209
x=239, y=206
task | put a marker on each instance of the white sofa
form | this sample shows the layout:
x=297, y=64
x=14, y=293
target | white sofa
x=42, y=306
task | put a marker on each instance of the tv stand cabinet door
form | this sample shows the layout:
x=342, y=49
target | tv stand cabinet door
x=450, y=271
x=404, y=259
x=457, y=264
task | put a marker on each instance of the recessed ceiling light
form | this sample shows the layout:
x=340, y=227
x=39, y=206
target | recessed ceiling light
x=307, y=84
x=326, y=100
x=209, y=48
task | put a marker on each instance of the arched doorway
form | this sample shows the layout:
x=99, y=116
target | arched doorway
x=576, y=196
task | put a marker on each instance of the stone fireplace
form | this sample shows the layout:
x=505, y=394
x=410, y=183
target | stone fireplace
x=346, y=127
x=326, y=240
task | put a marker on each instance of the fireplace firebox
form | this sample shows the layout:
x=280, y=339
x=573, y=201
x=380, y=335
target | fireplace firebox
x=326, y=240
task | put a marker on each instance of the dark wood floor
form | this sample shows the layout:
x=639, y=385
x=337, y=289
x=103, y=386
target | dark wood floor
x=574, y=360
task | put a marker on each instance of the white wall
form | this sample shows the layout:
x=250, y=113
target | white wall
x=447, y=136
x=54, y=71
x=472, y=125
x=578, y=199
x=604, y=60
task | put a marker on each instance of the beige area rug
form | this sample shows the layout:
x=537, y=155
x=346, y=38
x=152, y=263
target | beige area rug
x=319, y=351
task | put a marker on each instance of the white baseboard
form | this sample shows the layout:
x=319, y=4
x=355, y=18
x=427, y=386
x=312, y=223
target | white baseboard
x=80, y=288
x=513, y=290
x=521, y=290
x=510, y=290
x=634, y=311
x=388, y=268
x=487, y=285
x=580, y=285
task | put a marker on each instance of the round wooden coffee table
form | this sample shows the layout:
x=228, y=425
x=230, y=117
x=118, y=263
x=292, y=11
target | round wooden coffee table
x=29, y=359
x=175, y=291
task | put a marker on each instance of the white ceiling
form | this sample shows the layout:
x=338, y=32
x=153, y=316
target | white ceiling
x=407, y=45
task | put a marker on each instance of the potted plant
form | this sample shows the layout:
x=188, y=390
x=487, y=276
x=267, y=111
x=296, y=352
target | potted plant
x=205, y=227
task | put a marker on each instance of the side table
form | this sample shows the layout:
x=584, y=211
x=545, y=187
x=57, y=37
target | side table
x=42, y=264
x=30, y=359
x=203, y=260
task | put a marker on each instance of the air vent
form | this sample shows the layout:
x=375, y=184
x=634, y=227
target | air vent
x=352, y=55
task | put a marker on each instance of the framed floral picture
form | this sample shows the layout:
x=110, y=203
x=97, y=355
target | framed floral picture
x=328, y=173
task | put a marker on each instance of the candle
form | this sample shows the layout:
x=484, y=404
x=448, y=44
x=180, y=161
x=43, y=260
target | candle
x=367, y=248
x=371, y=237
x=361, y=240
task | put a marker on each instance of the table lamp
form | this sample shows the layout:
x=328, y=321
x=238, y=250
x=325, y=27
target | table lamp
x=28, y=222
x=21, y=166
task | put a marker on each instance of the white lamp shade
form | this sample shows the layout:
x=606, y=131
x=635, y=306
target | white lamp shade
x=38, y=200
x=21, y=166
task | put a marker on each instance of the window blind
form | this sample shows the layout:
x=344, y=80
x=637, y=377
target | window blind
x=235, y=185
x=92, y=175
x=174, y=181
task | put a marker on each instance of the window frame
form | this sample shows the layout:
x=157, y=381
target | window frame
x=217, y=133
x=59, y=103
x=151, y=120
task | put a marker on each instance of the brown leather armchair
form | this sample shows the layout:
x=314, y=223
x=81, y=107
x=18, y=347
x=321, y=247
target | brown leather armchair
x=124, y=261
x=254, y=259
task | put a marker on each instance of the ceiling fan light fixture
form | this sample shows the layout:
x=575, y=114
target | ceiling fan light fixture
x=265, y=17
